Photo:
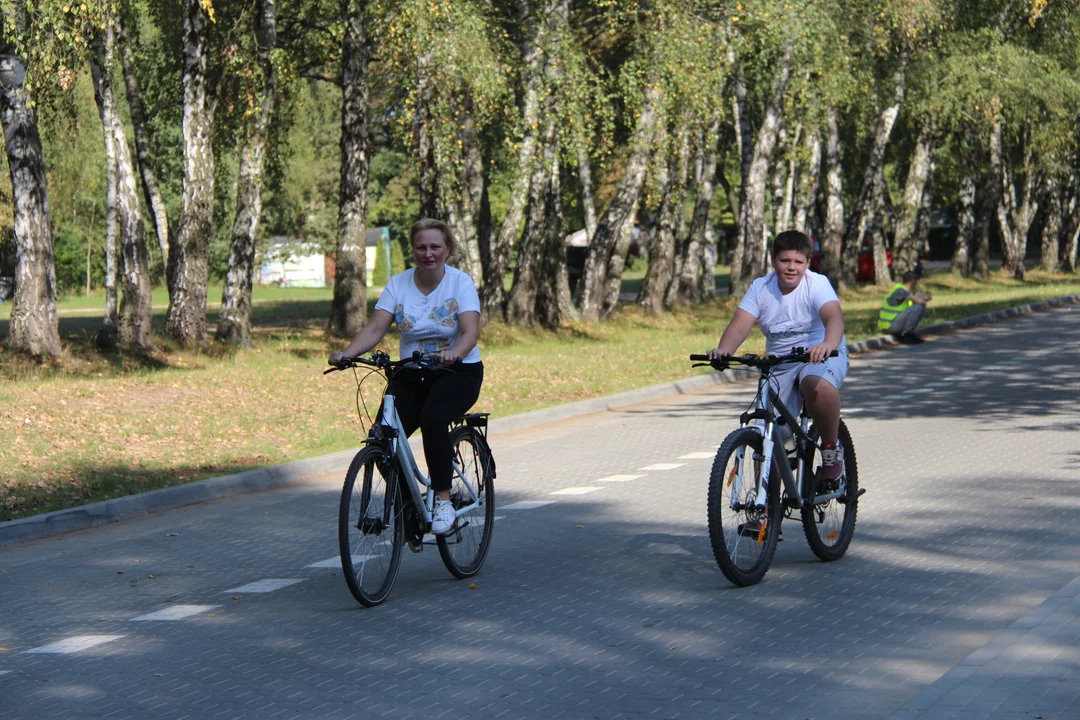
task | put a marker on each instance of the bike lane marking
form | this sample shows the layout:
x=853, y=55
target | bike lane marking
x=176, y=612
x=72, y=644
x=265, y=586
x=619, y=478
x=663, y=466
x=697, y=456
x=575, y=491
x=527, y=504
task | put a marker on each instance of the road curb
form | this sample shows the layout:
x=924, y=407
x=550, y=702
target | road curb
x=124, y=508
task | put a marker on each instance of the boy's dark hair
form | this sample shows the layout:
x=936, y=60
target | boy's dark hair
x=791, y=240
x=909, y=276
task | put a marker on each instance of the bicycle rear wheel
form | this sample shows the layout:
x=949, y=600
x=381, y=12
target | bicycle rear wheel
x=829, y=526
x=370, y=527
x=743, y=536
x=465, y=548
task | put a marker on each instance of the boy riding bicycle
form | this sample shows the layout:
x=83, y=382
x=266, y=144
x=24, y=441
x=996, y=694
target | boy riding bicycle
x=798, y=308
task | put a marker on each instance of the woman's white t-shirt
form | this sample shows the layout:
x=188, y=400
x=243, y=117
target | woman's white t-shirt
x=792, y=320
x=429, y=323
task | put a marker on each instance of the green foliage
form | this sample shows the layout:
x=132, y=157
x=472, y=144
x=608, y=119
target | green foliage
x=397, y=262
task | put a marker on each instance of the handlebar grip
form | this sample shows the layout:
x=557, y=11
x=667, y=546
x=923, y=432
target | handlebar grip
x=699, y=358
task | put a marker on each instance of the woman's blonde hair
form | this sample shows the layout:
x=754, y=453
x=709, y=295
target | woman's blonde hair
x=433, y=224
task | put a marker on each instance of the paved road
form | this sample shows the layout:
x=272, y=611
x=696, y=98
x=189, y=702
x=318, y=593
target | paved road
x=957, y=599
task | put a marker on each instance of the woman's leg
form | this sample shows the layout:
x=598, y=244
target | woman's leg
x=448, y=397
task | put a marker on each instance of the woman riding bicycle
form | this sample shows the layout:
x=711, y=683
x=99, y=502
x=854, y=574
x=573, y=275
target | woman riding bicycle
x=797, y=307
x=437, y=311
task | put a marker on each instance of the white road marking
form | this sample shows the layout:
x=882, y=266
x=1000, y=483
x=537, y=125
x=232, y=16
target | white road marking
x=875, y=402
x=697, y=456
x=176, y=612
x=335, y=562
x=662, y=466
x=939, y=384
x=72, y=644
x=264, y=586
x=4, y=672
x=575, y=491
x=619, y=478
x=527, y=504
x=853, y=411
x=904, y=396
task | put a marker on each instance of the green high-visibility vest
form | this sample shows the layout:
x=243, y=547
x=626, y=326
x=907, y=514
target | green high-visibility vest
x=889, y=312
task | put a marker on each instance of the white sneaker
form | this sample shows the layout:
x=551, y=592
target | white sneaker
x=442, y=517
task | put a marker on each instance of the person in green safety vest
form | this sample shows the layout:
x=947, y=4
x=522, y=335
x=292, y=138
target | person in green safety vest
x=903, y=309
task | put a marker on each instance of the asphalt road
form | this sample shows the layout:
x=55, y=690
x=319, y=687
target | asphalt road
x=600, y=598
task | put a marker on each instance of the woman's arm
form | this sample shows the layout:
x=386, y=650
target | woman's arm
x=734, y=335
x=369, y=336
x=469, y=324
x=833, y=317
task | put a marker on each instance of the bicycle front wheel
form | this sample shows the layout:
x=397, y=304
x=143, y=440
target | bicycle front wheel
x=830, y=525
x=465, y=548
x=370, y=526
x=743, y=535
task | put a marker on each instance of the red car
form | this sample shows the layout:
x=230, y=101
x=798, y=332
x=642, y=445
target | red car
x=864, y=270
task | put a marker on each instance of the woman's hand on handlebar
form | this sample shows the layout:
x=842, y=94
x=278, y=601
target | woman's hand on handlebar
x=820, y=353
x=449, y=357
x=336, y=358
x=719, y=354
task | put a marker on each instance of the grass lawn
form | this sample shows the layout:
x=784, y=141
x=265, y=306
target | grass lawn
x=95, y=426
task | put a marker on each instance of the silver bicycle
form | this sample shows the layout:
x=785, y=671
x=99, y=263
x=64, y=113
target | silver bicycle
x=746, y=506
x=386, y=502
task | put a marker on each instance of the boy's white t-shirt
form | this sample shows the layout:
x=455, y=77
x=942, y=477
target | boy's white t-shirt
x=429, y=323
x=792, y=320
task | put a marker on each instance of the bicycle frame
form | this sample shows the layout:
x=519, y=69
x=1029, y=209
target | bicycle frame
x=772, y=413
x=400, y=448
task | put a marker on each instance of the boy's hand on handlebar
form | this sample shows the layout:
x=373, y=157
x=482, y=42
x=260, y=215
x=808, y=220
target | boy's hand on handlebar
x=820, y=353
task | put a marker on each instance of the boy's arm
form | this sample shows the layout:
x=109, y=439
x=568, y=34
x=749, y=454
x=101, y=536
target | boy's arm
x=833, y=317
x=734, y=335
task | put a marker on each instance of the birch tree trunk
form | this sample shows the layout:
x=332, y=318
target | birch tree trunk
x=662, y=244
x=143, y=152
x=616, y=264
x=833, y=233
x=126, y=249
x=749, y=262
x=33, y=328
x=695, y=267
x=100, y=62
x=988, y=209
x=604, y=258
x=1050, y=247
x=1071, y=233
x=348, y=310
x=234, y=323
x=588, y=194
x=905, y=243
x=493, y=293
x=961, y=260
x=1014, y=217
x=188, y=261
x=863, y=210
x=553, y=304
x=521, y=304
x=473, y=194
x=808, y=183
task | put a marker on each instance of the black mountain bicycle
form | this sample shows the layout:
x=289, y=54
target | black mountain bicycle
x=746, y=506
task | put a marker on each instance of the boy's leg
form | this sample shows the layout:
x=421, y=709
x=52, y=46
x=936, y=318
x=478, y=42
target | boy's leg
x=823, y=404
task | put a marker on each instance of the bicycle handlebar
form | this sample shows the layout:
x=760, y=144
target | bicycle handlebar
x=382, y=361
x=799, y=355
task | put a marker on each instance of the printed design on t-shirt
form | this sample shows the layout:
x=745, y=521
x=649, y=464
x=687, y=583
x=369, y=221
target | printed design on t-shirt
x=430, y=347
x=445, y=314
x=405, y=322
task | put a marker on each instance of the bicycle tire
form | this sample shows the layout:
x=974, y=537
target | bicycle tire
x=829, y=527
x=465, y=547
x=370, y=533
x=743, y=558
